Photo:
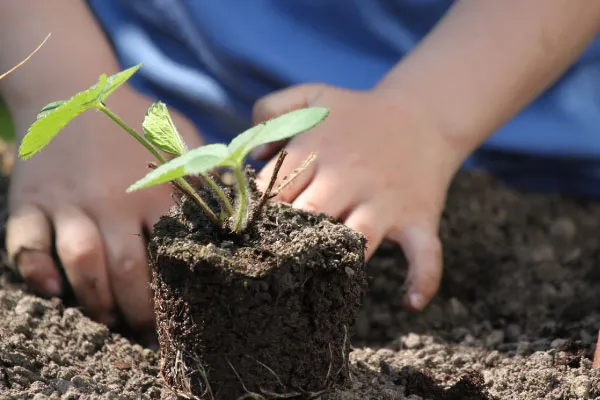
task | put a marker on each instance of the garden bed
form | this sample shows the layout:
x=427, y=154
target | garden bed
x=516, y=317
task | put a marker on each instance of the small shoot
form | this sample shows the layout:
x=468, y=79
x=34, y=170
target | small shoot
x=161, y=132
x=162, y=138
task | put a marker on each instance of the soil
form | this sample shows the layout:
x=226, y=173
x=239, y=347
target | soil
x=265, y=312
x=516, y=317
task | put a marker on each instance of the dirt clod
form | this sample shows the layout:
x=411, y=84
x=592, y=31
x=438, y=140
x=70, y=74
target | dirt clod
x=267, y=313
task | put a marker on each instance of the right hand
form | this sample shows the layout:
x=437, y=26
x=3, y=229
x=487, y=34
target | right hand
x=71, y=198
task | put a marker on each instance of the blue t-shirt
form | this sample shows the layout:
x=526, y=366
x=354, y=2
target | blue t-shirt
x=212, y=59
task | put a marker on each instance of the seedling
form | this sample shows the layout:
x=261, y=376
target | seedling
x=161, y=138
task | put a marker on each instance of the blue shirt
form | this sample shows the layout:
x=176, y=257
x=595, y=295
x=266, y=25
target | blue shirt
x=212, y=59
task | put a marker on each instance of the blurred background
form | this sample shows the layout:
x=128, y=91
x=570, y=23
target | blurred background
x=7, y=139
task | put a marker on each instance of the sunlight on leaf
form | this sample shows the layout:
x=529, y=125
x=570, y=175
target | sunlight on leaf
x=161, y=132
x=54, y=120
x=49, y=107
x=282, y=127
x=196, y=161
x=116, y=80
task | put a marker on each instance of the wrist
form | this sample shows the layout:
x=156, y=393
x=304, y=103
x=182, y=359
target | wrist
x=450, y=146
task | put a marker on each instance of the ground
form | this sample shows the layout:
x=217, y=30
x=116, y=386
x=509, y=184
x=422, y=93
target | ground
x=516, y=317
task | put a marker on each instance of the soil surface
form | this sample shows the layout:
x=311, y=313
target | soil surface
x=266, y=312
x=516, y=317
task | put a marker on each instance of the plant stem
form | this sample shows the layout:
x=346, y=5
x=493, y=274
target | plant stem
x=220, y=193
x=187, y=188
x=142, y=140
x=181, y=183
x=243, y=198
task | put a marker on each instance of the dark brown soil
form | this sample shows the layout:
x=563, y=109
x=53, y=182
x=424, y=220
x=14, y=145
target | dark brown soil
x=47, y=351
x=518, y=308
x=265, y=312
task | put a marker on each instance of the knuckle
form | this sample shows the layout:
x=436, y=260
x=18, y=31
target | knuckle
x=91, y=285
x=314, y=91
x=261, y=109
x=25, y=262
x=97, y=197
x=310, y=205
x=366, y=229
x=79, y=252
x=125, y=268
x=25, y=190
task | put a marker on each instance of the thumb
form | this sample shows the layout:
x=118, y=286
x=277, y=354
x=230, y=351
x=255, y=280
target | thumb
x=285, y=100
x=281, y=102
x=423, y=250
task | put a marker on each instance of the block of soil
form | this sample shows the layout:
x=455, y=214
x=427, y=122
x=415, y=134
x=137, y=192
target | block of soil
x=266, y=312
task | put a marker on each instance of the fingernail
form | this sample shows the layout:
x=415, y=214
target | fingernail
x=52, y=287
x=259, y=151
x=31, y=260
x=416, y=301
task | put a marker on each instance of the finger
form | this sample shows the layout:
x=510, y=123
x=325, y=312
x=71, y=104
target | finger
x=80, y=249
x=325, y=195
x=293, y=160
x=272, y=106
x=163, y=198
x=266, y=151
x=366, y=220
x=28, y=244
x=283, y=101
x=128, y=271
x=423, y=251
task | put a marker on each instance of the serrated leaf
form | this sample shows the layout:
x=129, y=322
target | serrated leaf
x=43, y=130
x=49, y=107
x=116, y=80
x=282, y=127
x=161, y=132
x=196, y=161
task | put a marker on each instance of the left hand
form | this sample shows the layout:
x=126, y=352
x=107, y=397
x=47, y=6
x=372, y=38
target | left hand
x=382, y=167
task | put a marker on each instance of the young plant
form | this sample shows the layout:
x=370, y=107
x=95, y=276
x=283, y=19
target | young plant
x=161, y=136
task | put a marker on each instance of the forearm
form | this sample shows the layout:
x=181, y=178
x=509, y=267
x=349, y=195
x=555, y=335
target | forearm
x=72, y=59
x=486, y=60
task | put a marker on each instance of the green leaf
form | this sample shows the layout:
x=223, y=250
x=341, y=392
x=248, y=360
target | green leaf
x=116, y=80
x=52, y=120
x=49, y=107
x=161, y=132
x=196, y=161
x=282, y=127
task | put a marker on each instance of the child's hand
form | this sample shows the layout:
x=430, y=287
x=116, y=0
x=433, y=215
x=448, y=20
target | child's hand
x=381, y=166
x=71, y=197
x=385, y=158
